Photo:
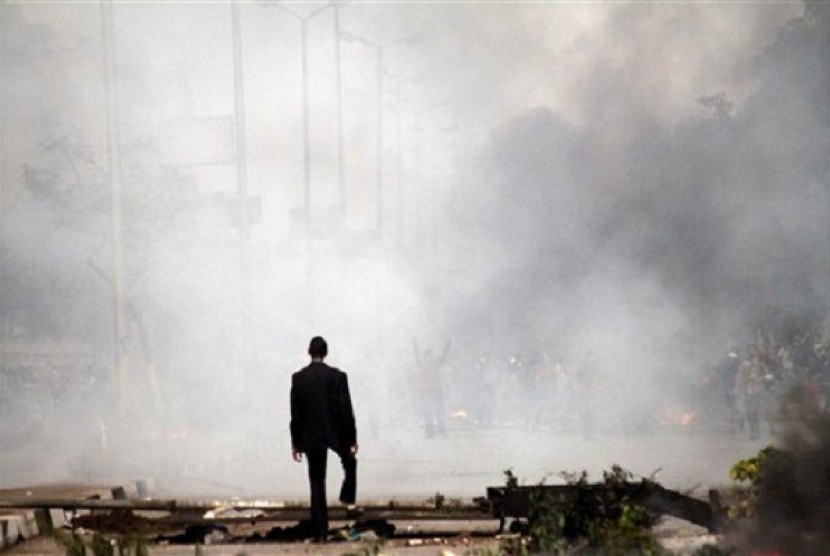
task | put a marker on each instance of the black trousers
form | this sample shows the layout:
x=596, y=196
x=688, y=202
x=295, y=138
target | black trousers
x=317, y=460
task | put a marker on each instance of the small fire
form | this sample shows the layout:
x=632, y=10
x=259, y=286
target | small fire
x=460, y=414
x=679, y=417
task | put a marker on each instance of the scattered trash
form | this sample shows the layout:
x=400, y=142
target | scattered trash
x=229, y=512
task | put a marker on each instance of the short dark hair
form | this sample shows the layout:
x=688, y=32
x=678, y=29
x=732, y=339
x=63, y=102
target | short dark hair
x=318, y=347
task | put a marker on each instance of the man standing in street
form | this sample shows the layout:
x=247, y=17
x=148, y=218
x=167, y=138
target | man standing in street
x=322, y=419
x=430, y=389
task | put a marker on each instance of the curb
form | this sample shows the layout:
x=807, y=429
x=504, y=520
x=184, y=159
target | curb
x=18, y=526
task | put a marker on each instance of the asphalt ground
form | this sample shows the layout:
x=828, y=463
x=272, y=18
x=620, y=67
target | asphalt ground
x=461, y=465
x=397, y=461
x=679, y=537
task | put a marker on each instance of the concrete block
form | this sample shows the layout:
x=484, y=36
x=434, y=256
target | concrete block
x=145, y=487
x=28, y=525
x=11, y=530
x=141, y=487
x=58, y=518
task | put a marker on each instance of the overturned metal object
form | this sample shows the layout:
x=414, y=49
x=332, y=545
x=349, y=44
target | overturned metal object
x=517, y=501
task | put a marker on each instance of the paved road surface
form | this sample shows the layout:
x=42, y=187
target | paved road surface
x=407, y=465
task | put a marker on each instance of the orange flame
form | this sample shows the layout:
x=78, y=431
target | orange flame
x=680, y=417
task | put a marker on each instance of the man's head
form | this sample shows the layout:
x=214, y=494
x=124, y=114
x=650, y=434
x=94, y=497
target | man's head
x=318, y=348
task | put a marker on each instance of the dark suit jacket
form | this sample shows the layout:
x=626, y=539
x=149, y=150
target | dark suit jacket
x=321, y=409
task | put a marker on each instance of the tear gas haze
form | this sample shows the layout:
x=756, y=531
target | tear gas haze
x=586, y=203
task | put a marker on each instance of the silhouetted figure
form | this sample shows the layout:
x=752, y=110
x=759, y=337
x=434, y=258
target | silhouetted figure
x=322, y=418
x=428, y=382
x=484, y=385
x=750, y=387
x=727, y=373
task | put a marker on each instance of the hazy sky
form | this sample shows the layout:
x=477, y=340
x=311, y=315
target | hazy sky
x=615, y=63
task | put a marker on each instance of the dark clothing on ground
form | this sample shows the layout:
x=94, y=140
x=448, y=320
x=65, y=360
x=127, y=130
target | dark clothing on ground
x=322, y=418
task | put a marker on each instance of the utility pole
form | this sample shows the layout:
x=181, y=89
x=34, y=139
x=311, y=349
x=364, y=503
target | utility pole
x=398, y=156
x=304, y=21
x=399, y=160
x=341, y=172
x=379, y=50
x=242, y=189
x=306, y=131
x=379, y=145
x=116, y=225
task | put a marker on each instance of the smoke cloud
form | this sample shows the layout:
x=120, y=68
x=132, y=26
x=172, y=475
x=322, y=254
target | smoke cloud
x=627, y=187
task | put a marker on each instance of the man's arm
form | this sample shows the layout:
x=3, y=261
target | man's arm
x=348, y=425
x=295, y=421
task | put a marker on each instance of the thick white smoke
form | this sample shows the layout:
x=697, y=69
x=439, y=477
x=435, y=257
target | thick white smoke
x=551, y=188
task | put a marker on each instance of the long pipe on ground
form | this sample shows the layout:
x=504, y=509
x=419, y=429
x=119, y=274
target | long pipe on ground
x=274, y=508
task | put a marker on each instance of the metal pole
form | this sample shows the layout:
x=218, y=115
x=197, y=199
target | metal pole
x=242, y=187
x=116, y=225
x=379, y=48
x=419, y=182
x=379, y=151
x=306, y=145
x=304, y=20
x=271, y=510
x=341, y=180
x=398, y=160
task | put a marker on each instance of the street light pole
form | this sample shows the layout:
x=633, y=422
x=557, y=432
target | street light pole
x=398, y=156
x=241, y=159
x=116, y=226
x=379, y=51
x=306, y=131
x=341, y=172
x=423, y=229
x=304, y=21
x=379, y=146
x=399, y=160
